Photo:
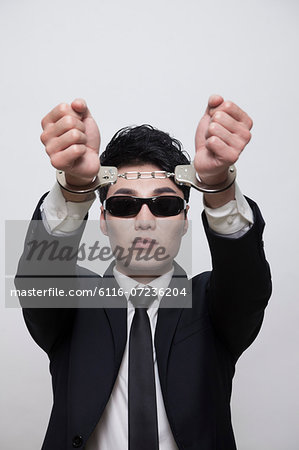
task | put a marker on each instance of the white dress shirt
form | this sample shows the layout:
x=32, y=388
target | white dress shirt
x=60, y=218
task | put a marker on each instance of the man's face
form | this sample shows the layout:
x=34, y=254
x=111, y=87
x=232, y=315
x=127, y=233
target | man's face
x=155, y=240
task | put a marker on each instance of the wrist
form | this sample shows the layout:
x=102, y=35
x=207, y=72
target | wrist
x=77, y=198
x=74, y=180
x=214, y=179
x=216, y=200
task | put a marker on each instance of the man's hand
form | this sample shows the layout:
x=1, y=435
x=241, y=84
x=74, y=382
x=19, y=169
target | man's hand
x=72, y=140
x=221, y=135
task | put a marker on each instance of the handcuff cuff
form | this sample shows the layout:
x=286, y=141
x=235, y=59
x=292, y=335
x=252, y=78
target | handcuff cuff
x=184, y=175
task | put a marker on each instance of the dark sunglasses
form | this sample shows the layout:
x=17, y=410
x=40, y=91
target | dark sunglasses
x=161, y=206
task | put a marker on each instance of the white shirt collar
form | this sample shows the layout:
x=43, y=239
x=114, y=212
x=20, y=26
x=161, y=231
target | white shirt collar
x=127, y=283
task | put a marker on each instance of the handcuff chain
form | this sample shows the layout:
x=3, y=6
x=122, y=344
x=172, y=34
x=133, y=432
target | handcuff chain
x=135, y=175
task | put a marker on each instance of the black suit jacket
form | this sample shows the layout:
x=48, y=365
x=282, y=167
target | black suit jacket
x=196, y=348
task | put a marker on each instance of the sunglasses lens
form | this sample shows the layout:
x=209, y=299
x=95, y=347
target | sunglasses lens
x=163, y=206
x=167, y=206
x=122, y=206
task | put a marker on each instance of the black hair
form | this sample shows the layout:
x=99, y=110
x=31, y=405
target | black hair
x=144, y=144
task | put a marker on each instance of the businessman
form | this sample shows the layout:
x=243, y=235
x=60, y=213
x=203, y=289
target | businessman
x=150, y=370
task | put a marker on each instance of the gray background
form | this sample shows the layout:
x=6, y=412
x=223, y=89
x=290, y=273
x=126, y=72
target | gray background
x=157, y=62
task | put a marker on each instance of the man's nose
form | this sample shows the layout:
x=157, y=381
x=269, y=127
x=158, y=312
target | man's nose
x=145, y=219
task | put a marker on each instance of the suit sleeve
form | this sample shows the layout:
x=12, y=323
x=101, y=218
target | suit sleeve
x=48, y=264
x=240, y=285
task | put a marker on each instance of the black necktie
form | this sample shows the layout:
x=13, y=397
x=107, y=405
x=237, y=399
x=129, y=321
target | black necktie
x=143, y=423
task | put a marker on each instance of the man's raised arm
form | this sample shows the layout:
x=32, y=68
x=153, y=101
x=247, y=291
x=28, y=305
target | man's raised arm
x=48, y=263
x=240, y=283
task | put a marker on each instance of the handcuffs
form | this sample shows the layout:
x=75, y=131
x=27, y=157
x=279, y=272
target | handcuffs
x=184, y=175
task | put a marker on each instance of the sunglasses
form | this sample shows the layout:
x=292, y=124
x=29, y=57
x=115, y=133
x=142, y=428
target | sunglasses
x=161, y=206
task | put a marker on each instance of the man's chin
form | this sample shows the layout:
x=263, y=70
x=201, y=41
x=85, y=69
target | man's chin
x=143, y=269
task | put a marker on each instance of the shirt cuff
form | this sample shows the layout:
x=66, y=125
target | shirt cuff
x=61, y=217
x=233, y=219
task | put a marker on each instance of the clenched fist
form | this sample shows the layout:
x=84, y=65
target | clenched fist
x=221, y=135
x=72, y=140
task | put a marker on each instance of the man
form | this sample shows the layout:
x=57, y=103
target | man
x=104, y=394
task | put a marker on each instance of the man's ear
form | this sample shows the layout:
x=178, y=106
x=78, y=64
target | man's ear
x=186, y=222
x=103, y=223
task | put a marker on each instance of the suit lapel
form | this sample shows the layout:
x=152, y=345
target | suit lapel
x=117, y=316
x=168, y=317
x=118, y=322
x=166, y=325
x=98, y=342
